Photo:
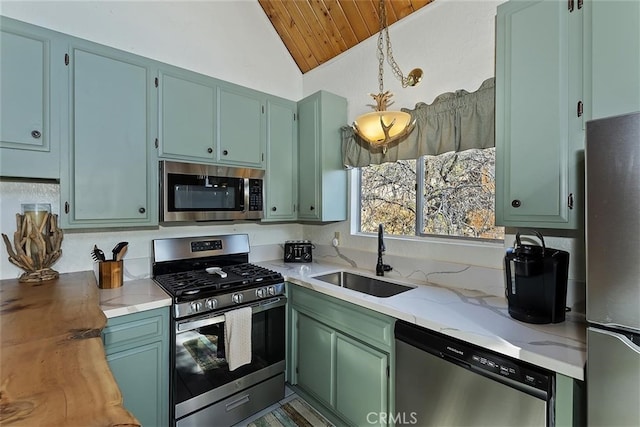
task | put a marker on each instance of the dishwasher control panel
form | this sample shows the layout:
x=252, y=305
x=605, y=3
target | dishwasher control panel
x=478, y=359
x=500, y=366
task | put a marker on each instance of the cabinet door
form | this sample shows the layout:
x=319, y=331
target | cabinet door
x=139, y=374
x=137, y=349
x=322, y=181
x=538, y=131
x=362, y=383
x=108, y=181
x=24, y=86
x=282, y=161
x=241, y=124
x=309, y=159
x=187, y=116
x=28, y=144
x=612, y=57
x=315, y=358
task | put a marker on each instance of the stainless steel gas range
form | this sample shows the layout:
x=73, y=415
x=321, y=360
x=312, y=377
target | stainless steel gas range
x=208, y=278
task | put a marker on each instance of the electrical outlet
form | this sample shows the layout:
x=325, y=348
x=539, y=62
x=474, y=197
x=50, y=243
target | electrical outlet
x=336, y=239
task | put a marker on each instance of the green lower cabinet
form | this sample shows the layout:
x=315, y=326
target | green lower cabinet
x=137, y=349
x=362, y=383
x=342, y=357
x=315, y=358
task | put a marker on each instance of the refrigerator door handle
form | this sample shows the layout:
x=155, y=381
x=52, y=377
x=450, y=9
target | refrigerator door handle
x=620, y=336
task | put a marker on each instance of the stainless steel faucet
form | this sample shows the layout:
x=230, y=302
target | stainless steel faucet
x=381, y=267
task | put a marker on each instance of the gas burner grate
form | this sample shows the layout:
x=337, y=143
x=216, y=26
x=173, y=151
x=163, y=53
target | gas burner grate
x=200, y=282
x=253, y=272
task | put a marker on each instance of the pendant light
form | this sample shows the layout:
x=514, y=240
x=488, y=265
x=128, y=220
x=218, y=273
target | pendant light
x=382, y=126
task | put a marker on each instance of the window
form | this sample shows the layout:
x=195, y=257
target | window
x=455, y=196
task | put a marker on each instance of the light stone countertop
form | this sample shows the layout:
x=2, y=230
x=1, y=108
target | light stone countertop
x=469, y=315
x=132, y=297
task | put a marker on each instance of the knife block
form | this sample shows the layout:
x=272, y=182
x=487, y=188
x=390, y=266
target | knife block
x=109, y=274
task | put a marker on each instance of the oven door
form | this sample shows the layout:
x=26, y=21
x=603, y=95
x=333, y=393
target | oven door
x=202, y=376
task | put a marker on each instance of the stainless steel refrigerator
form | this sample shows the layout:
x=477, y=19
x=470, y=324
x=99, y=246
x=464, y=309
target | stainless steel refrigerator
x=612, y=166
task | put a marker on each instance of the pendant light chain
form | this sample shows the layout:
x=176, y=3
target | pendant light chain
x=392, y=62
x=380, y=56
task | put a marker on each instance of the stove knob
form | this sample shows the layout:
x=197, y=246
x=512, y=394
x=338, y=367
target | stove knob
x=236, y=298
x=271, y=290
x=196, y=306
x=211, y=304
x=261, y=292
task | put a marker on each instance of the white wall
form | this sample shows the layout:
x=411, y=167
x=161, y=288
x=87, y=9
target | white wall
x=232, y=40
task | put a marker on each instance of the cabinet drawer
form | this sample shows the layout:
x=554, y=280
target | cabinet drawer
x=132, y=329
x=369, y=326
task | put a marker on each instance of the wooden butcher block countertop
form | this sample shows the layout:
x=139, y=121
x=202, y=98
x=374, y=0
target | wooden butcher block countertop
x=53, y=368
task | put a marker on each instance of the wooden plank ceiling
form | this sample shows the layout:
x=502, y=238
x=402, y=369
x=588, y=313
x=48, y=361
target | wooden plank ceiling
x=314, y=31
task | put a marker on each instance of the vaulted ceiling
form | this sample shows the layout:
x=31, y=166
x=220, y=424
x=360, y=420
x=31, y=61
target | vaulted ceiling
x=315, y=31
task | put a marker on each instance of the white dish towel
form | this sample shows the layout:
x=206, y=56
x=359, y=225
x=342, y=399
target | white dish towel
x=237, y=337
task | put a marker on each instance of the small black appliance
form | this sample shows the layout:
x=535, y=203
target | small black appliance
x=298, y=251
x=536, y=282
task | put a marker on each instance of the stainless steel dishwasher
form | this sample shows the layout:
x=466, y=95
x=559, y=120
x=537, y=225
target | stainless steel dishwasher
x=442, y=381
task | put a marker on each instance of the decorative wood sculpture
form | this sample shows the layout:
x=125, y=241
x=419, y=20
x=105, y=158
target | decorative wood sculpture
x=37, y=248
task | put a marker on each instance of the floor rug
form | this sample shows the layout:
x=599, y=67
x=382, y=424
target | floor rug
x=204, y=352
x=295, y=413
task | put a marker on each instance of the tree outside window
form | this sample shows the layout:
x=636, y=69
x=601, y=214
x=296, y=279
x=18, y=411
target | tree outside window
x=456, y=197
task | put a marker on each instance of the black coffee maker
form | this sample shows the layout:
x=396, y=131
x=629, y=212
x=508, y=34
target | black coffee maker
x=536, y=281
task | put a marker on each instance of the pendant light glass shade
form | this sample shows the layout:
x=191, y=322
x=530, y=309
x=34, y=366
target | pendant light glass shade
x=372, y=126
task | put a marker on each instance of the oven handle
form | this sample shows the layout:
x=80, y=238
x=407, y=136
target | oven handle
x=219, y=317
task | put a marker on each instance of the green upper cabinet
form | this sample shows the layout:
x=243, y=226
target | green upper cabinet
x=108, y=178
x=241, y=126
x=29, y=101
x=207, y=120
x=322, y=178
x=539, y=123
x=612, y=57
x=282, y=161
x=187, y=114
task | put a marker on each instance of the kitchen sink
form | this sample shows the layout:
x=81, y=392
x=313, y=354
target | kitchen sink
x=364, y=284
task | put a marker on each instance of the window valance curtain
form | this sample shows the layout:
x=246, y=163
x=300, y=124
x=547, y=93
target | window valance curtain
x=455, y=121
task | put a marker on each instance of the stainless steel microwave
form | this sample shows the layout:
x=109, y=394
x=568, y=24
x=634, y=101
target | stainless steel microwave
x=198, y=192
